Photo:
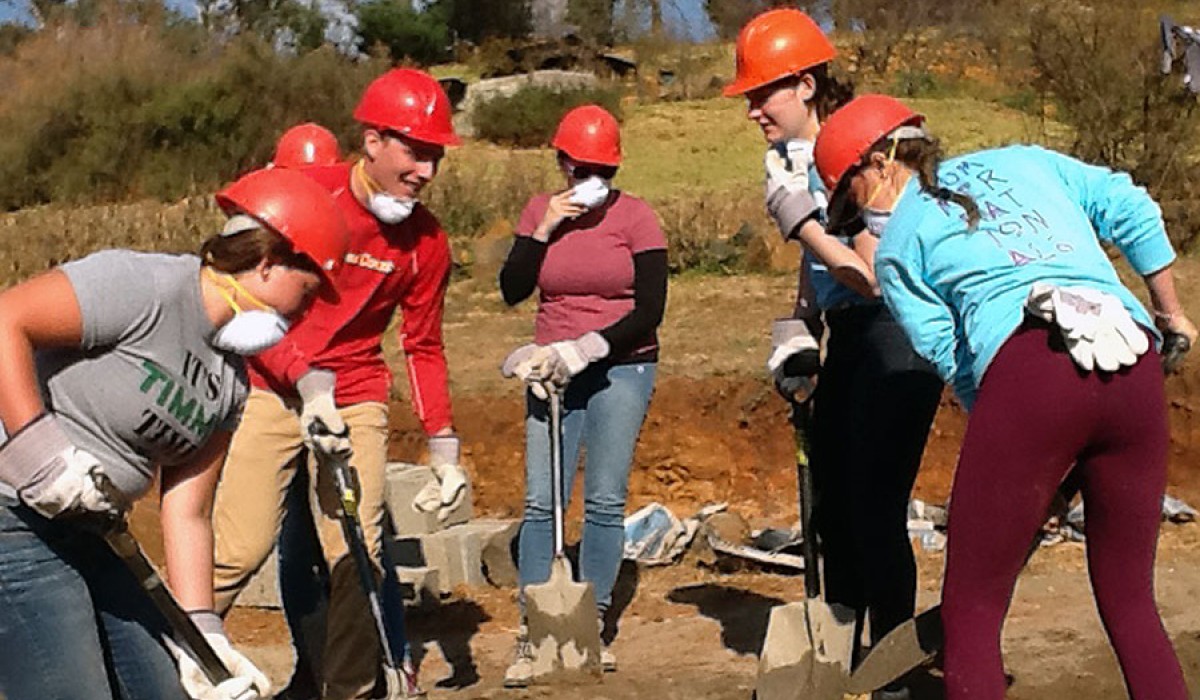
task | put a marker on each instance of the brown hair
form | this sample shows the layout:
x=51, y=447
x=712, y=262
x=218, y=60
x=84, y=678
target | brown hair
x=924, y=155
x=830, y=94
x=244, y=250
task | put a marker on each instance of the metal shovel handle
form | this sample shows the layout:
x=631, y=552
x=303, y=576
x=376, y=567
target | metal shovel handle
x=556, y=470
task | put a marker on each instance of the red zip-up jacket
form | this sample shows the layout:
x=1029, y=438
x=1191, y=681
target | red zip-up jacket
x=405, y=265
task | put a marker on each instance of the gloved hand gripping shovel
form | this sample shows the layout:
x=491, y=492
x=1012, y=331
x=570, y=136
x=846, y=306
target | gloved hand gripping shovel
x=917, y=641
x=809, y=645
x=561, y=614
x=185, y=634
x=400, y=676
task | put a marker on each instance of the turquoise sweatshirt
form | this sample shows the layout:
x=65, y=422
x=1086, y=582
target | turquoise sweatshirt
x=960, y=293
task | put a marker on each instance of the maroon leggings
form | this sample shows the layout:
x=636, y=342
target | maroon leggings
x=1036, y=415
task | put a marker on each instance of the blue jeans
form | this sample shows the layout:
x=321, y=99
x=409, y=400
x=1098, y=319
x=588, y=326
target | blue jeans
x=603, y=409
x=74, y=624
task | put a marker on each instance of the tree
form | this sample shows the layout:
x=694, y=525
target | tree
x=476, y=20
x=423, y=37
x=593, y=19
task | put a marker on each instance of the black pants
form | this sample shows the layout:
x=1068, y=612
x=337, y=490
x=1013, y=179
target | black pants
x=874, y=403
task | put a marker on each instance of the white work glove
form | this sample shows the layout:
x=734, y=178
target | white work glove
x=570, y=357
x=1096, y=327
x=795, y=358
x=50, y=474
x=321, y=425
x=246, y=683
x=787, y=164
x=789, y=201
x=531, y=364
x=445, y=494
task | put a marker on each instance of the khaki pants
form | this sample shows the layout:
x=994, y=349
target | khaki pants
x=249, y=511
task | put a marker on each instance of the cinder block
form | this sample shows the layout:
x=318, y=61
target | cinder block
x=457, y=552
x=404, y=481
x=499, y=565
x=263, y=589
x=419, y=584
x=404, y=551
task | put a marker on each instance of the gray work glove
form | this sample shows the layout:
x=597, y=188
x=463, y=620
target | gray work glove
x=531, y=364
x=446, y=493
x=50, y=474
x=570, y=357
x=321, y=425
x=247, y=683
x=789, y=201
x=795, y=358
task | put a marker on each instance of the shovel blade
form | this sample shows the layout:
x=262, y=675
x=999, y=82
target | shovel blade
x=807, y=652
x=564, y=630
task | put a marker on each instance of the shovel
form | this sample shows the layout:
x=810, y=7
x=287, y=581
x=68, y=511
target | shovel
x=398, y=672
x=809, y=645
x=561, y=614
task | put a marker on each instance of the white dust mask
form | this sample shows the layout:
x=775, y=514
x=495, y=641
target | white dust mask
x=250, y=331
x=388, y=208
x=591, y=192
x=876, y=220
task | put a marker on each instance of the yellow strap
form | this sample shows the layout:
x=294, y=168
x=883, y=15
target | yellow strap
x=236, y=285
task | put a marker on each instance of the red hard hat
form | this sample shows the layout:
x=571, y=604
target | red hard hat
x=409, y=102
x=589, y=134
x=774, y=45
x=306, y=144
x=851, y=131
x=297, y=208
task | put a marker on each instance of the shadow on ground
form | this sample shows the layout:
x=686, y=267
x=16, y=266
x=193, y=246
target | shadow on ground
x=742, y=614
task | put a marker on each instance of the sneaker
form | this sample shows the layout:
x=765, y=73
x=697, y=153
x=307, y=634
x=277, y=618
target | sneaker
x=520, y=673
x=608, y=660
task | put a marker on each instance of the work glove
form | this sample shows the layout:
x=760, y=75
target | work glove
x=247, y=682
x=51, y=475
x=1096, y=327
x=446, y=493
x=321, y=425
x=789, y=201
x=570, y=357
x=531, y=364
x=795, y=358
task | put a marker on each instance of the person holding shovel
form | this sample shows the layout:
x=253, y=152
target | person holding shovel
x=992, y=261
x=598, y=259
x=871, y=383
x=326, y=385
x=138, y=373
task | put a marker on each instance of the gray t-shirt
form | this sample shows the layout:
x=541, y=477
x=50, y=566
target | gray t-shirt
x=146, y=389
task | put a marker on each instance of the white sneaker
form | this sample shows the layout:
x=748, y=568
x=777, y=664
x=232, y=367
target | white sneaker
x=608, y=660
x=520, y=672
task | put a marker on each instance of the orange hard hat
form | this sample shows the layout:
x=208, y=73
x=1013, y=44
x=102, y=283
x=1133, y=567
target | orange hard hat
x=409, y=102
x=847, y=136
x=589, y=134
x=297, y=208
x=306, y=144
x=774, y=45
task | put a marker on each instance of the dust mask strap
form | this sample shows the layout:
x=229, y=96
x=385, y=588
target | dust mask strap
x=249, y=332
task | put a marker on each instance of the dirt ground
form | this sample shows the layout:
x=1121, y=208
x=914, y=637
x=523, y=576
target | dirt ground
x=717, y=432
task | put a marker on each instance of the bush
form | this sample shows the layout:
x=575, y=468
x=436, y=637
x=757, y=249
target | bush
x=423, y=37
x=118, y=110
x=529, y=116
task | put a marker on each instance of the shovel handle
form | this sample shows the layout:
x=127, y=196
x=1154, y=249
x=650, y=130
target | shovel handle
x=808, y=545
x=556, y=470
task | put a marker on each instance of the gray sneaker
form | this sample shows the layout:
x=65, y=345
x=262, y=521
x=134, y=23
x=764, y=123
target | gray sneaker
x=608, y=660
x=520, y=672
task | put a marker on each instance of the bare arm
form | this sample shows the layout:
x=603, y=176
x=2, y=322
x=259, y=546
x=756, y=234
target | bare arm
x=41, y=312
x=1168, y=312
x=844, y=264
x=186, y=516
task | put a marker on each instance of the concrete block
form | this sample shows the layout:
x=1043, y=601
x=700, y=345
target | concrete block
x=419, y=585
x=405, y=551
x=403, y=482
x=263, y=589
x=497, y=549
x=457, y=552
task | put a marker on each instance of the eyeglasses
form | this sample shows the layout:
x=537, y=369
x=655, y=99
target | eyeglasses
x=582, y=171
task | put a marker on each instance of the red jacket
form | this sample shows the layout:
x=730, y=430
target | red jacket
x=405, y=265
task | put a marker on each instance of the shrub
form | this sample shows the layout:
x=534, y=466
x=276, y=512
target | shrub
x=528, y=117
